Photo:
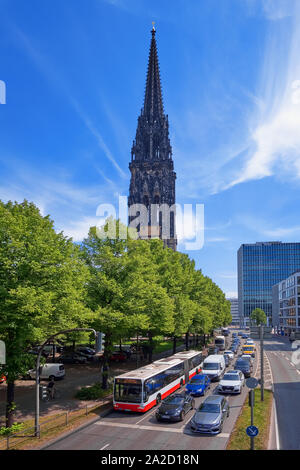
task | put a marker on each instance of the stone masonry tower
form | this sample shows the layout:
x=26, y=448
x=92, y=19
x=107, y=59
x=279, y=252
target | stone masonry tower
x=152, y=170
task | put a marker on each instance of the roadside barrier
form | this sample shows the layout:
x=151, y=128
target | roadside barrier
x=48, y=424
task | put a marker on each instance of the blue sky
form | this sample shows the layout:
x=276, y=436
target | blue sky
x=230, y=70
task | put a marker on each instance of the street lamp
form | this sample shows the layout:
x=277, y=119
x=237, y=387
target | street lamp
x=37, y=373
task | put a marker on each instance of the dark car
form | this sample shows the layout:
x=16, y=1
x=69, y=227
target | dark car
x=240, y=333
x=244, y=366
x=234, y=348
x=86, y=352
x=174, y=407
x=72, y=359
x=118, y=356
x=210, y=416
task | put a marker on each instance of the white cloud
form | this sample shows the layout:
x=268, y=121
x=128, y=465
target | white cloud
x=276, y=135
x=231, y=295
x=278, y=9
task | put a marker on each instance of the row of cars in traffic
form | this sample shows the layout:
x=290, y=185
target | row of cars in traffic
x=210, y=416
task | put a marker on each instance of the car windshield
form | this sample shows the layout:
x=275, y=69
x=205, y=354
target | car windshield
x=211, y=366
x=209, y=408
x=197, y=381
x=230, y=377
x=128, y=390
x=174, y=400
x=242, y=363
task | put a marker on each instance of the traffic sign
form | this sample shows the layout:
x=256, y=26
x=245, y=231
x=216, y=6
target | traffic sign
x=252, y=382
x=252, y=431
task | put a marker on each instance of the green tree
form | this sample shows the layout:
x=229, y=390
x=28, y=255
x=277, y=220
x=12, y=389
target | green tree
x=258, y=316
x=42, y=280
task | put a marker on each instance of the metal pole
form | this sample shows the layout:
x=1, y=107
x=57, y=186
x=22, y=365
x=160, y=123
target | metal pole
x=37, y=374
x=262, y=384
x=252, y=417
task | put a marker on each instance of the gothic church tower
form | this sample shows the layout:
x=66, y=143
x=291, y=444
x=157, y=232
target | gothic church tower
x=152, y=169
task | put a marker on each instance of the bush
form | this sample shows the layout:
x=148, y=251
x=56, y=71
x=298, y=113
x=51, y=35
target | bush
x=13, y=429
x=93, y=392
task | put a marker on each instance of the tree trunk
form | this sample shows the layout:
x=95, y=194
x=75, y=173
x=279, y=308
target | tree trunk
x=106, y=355
x=10, y=404
x=187, y=345
x=174, y=344
x=150, y=347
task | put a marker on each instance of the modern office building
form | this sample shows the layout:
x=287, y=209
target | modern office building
x=261, y=265
x=286, y=303
x=235, y=311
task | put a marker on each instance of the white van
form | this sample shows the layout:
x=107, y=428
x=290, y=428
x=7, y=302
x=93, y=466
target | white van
x=220, y=342
x=49, y=371
x=214, y=366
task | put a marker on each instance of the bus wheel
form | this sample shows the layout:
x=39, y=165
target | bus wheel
x=158, y=399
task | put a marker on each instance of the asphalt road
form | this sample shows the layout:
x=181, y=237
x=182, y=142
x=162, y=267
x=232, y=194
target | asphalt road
x=122, y=431
x=286, y=380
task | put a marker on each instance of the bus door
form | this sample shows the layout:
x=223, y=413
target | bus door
x=186, y=371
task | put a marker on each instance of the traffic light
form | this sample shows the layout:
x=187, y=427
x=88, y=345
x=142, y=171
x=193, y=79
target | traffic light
x=43, y=392
x=100, y=342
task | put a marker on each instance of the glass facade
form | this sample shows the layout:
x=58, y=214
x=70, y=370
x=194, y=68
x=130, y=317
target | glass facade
x=289, y=302
x=260, y=267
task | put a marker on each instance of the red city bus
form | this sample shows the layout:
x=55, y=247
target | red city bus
x=143, y=388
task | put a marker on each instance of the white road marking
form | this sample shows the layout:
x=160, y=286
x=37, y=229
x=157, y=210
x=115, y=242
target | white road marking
x=104, y=447
x=149, y=428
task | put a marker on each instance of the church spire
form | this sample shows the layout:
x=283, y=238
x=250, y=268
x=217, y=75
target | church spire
x=153, y=103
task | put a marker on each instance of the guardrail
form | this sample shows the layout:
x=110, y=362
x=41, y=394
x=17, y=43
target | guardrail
x=61, y=420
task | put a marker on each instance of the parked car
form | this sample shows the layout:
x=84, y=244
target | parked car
x=214, y=366
x=198, y=385
x=244, y=366
x=125, y=348
x=118, y=356
x=86, y=352
x=230, y=354
x=35, y=352
x=73, y=358
x=49, y=371
x=210, y=416
x=232, y=382
x=174, y=407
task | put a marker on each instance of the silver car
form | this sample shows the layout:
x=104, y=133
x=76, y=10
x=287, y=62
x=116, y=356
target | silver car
x=210, y=416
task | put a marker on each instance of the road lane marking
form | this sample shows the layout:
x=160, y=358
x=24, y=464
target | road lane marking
x=104, y=447
x=149, y=428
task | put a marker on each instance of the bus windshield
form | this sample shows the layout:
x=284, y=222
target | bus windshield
x=128, y=390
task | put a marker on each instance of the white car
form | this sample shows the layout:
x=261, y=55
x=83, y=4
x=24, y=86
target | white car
x=232, y=382
x=49, y=372
x=230, y=354
x=249, y=341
